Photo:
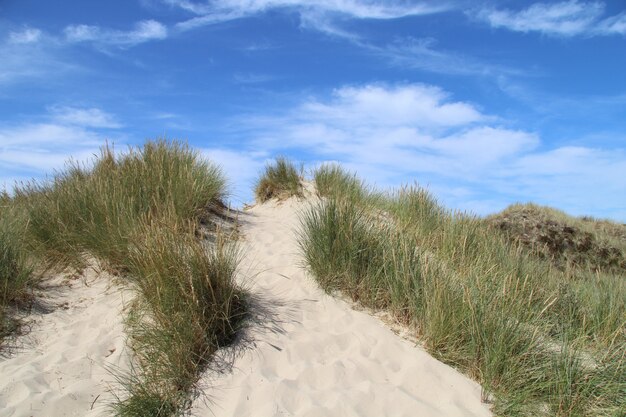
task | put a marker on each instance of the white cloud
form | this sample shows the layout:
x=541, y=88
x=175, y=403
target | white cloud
x=82, y=33
x=315, y=13
x=36, y=149
x=39, y=148
x=581, y=179
x=566, y=18
x=392, y=135
x=411, y=105
x=27, y=35
x=144, y=31
x=399, y=127
x=87, y=117
x=613, y=25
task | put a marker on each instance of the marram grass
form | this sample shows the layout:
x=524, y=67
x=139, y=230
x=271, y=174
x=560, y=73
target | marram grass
x=16, y=267
x=278, y=180
x=137, y=213
x=539, y=341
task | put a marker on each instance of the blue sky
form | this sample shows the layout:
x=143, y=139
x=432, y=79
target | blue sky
x=485, y=103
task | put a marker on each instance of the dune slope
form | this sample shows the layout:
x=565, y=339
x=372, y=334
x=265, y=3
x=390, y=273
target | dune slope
x=309, y=354
x=61, y=367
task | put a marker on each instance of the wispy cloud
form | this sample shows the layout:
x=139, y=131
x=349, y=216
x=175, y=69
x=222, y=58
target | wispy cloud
x=30, y=53
x=393, y=134
x=85, y=117
x=34, y=149
x=330, y=17
x=315, y=13
x=144, y=31
x=567, y=18
x=422, y=54
x=613, y=25
x=26, y=35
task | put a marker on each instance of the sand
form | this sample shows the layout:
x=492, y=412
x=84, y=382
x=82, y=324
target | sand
x=309, y=354
x=60, y=367
x=304, y=353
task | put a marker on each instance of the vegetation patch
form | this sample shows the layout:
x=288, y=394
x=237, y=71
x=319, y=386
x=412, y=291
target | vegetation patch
x=539, y=342
x=565, y=240
x=279, y=180
x=16, y=268
x=139, y=213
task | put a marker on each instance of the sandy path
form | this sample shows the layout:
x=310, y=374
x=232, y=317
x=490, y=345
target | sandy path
x=309, y=354
x=58, y=368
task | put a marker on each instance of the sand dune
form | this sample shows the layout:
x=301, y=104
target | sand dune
x=309, y=354
x=60, y=367
x=304, y=354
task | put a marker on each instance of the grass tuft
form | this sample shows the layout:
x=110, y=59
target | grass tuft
x=331, y=180
x=279, y=180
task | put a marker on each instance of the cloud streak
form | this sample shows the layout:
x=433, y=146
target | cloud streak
x=31, y=54
x=565, y=19
x=144, y=31
x=85, y=117
x=314, y=13
x=35, y=149
x=421, y=54
x=26, y=35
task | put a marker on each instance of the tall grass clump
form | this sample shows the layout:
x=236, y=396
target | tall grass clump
x=92, y=210
x=16, y=267
x=188, y=309
x=279, y=180
x=331, y=180
x=138, y=213
x=538, y=342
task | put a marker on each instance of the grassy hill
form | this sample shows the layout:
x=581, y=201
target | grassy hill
x=530, y=302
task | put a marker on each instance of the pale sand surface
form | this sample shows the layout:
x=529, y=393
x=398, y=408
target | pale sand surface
x=309, y=354
x=59, y=368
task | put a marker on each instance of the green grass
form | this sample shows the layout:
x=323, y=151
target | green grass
x=92, y=212
x=138, y=214
x=278, y=180
x=16, y=268
x=188, y=309
x=332, y=181
x=539, y=342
